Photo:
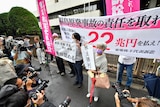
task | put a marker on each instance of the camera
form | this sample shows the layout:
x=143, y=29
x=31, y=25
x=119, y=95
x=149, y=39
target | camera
x=42, y=86
x=120, y=92
x=34, y=74
x=65, y=103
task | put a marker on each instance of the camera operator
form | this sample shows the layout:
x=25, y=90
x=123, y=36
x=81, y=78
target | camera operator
x=22, y=54
x=37, y=96
x=40, y=102
x=122, y=101
x=135, y=102
x=4, y=52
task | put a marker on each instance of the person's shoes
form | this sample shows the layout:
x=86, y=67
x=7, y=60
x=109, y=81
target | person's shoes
x=72, y=75
x=70, y=72
x=62, y=74
x=127, y=88
x=88, y=95
x=58, y=72
x=76, y=83
x=80, y=85
x=96, y=99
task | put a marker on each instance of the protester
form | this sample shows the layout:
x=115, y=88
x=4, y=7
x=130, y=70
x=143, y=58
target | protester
x=72, y=72
x=59, y=61
x=79, y=60
x=101, y=67
x=125, y=62
x=39, y=50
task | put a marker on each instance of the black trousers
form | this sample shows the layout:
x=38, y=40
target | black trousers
x=60, y=64
x=72, y=68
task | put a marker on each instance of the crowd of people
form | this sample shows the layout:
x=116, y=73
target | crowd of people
x=20, y=52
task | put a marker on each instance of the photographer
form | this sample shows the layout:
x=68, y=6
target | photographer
x=4, y=52
x=40, y=102
x=135, y=102
x=121, y=101
x=37, y=94
x=22, y=54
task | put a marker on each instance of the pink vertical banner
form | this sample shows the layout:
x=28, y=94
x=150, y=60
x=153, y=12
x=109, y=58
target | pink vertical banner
x=121, y=6
x=46, y=31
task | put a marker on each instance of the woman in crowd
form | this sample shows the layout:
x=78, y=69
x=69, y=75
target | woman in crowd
x=101, y=67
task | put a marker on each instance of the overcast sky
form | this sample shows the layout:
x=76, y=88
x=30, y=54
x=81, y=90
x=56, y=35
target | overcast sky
x=6, y=5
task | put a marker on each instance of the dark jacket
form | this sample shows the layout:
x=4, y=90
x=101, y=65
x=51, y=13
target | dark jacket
x=47, y=104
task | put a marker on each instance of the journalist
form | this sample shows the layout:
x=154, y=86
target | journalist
x=40, y=102
x=135, y=102
x=22, y=54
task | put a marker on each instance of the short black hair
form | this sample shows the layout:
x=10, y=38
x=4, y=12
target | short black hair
x=12, y=81
x=77, y=36
x=18, y=99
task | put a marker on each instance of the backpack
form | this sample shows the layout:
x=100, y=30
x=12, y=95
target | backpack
x=7, y=70
x=152, y=83
x=5, y=92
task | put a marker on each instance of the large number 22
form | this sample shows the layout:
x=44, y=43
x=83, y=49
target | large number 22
x=96, y=37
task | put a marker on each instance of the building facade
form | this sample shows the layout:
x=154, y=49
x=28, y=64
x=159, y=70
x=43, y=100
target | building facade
x=77, y=8
x=82, y=8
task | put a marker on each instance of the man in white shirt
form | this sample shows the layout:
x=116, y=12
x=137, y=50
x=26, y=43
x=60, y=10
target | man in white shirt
x=125, y=62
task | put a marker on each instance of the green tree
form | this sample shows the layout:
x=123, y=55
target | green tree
x=23, y=22
x=5, y=26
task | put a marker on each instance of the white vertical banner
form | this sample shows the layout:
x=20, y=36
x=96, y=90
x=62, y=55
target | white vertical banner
x=88, y=57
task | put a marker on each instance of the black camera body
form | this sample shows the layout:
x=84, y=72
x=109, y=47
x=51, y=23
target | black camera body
x=34, y=74
x=42, y=86
x=120, y=92
x=65, y=103
x=21, y=48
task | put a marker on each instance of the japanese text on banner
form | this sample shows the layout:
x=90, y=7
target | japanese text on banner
x=46, y=31
x=65, y=50
x=133, y=34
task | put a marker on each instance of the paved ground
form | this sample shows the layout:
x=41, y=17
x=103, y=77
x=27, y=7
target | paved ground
x=62, y=86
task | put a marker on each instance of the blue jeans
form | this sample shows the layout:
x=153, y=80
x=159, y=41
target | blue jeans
x=129, y=70
x=78, y=70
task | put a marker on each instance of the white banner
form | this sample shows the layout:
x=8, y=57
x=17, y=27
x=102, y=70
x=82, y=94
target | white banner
x=65, y=50
x=132, y=34
x=88, y=57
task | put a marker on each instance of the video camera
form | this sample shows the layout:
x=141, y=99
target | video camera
x=120, y=92
x=42, y=86
x=65, y=103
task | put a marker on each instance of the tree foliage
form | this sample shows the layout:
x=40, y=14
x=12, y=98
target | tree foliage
x=5, y=26
x=23, y=22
